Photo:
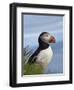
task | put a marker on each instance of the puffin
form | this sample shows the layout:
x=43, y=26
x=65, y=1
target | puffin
x=44, y=53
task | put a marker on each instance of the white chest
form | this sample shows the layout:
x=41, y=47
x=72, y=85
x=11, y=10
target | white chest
x=45, y=56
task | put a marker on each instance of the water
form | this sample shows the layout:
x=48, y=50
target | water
x=56, y=65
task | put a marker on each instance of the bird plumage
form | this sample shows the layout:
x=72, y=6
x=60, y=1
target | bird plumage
x=43, y=55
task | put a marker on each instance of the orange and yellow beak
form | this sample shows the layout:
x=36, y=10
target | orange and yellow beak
x=52, y=40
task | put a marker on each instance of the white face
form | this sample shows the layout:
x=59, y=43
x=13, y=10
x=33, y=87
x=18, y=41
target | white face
x=47, y=38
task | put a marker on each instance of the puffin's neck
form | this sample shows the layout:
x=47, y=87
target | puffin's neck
x=43, y=46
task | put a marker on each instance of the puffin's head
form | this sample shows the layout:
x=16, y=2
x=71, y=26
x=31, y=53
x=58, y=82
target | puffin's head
x=46, y=38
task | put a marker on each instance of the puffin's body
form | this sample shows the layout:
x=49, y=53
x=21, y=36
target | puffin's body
x=43, y=55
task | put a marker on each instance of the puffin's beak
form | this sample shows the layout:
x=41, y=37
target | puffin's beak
x=52, y=40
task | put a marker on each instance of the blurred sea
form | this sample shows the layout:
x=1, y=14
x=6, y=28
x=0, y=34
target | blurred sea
x=56, y=65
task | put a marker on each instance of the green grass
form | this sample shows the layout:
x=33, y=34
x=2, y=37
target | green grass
x=32, y=69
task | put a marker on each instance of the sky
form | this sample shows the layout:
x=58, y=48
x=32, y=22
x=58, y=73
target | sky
x=33, y=25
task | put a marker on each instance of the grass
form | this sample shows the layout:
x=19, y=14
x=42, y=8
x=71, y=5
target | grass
x=32, y=69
